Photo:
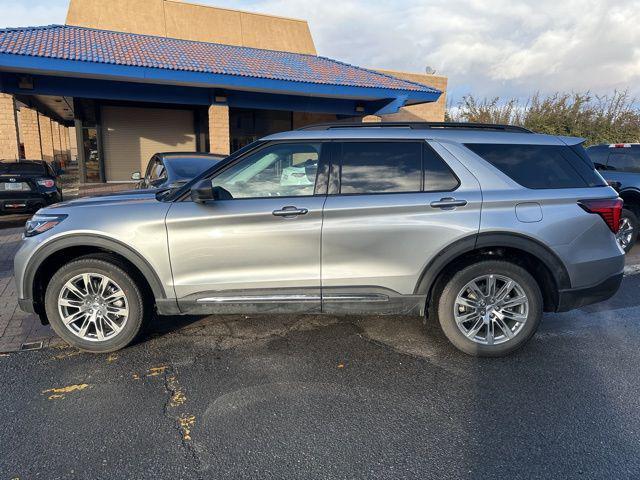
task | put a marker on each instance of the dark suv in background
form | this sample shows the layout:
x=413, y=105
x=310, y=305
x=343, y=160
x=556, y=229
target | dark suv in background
x=619, y=164
x=28, y=185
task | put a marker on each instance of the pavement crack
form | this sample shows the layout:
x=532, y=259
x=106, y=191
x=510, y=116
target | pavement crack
x=175, y=411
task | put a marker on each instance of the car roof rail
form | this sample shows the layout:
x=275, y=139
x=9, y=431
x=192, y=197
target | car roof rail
x=419, y=126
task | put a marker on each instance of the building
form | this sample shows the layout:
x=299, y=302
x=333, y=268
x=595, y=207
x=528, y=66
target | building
x=124, y=79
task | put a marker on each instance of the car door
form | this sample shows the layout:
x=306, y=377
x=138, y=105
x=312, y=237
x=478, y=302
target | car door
x=392, y=207
x=256, y=247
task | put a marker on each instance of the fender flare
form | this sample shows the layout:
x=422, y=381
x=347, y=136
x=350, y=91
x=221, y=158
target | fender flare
x=91, y=240
x=489, y=239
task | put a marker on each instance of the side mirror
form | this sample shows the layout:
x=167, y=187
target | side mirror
x=136, y=176
x=202, y=192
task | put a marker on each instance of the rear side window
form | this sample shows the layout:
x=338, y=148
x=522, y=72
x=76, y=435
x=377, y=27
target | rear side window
x=540, y=166
x=381, y=167
x=438, y=177
x=624, y=160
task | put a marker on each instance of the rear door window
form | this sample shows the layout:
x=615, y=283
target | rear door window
x=540, y=166
x=438, y=177
x=381, y=167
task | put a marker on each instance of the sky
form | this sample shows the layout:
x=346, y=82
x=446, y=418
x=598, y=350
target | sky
x=487, y=48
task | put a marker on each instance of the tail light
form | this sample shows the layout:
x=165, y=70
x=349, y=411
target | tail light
x=609, y=209
x=46, y=182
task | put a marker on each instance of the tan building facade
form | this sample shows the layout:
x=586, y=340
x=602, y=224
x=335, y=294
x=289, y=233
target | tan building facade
x=189, y=21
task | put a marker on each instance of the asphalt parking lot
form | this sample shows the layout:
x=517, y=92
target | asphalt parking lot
x=328, y=397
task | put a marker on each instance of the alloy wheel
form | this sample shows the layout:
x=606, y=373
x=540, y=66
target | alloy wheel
x=93, y=307
x=625, y=233
x=491, y=309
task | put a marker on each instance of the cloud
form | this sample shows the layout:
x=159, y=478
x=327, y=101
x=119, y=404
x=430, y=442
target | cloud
x=491, y=47
x=32, y=12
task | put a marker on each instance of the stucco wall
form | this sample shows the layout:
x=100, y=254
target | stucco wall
x=175, y=19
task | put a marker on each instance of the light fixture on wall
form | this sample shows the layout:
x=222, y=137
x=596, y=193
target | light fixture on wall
x=360, y=108
x=220, y=99
x=25, y=82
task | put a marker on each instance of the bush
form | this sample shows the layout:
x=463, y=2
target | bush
x=600, y=119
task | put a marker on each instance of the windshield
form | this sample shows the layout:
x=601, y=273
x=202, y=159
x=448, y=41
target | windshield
x=189, y=167
x=19, y=168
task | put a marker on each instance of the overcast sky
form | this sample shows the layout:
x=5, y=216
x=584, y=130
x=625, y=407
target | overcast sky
x=485, y=47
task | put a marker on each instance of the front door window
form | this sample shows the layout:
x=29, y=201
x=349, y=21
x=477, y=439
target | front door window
x=283, y=170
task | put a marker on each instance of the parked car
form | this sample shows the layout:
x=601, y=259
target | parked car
x=480, y=227
x=174, y=169
x=619, y=164
x=28, y=185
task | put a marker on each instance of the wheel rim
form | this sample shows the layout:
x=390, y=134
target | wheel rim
x=491, y=309
x=625, y=233
x=93, y=307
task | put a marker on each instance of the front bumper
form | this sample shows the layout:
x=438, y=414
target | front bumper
x=579, y=297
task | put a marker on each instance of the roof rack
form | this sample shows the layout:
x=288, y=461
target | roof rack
x=418, y=126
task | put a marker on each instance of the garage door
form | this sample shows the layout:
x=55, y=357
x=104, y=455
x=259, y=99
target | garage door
x=132, y=135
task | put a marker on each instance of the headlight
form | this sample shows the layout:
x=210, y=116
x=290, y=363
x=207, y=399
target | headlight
x=41, y=223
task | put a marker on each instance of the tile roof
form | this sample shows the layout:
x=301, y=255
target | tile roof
x=118, y=48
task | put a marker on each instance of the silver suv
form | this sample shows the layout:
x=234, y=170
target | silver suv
x=482, y=227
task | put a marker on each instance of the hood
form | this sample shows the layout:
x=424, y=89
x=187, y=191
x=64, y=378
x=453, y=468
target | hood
x=133, y=196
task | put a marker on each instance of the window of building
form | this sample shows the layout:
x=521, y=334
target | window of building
x=539, y=166
x=381, y=167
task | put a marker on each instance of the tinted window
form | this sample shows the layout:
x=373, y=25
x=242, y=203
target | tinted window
x=283, y=170
x=381, y=167
x=598, y=156
x=624, y=159
x=19, y=168
x=438, y=177
x=540, y=166
x=183, y=167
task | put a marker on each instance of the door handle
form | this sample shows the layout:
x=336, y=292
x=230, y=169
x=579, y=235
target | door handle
x=448, y=203
x=290, y=211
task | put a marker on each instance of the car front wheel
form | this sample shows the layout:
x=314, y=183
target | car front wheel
x=95, y=305
x=490, y=308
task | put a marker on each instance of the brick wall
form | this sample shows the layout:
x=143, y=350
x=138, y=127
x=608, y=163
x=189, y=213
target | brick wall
x=8, y=128
x=46, y=138
x=30, y=134
x=429, y=112
x=55, y=134
x=219, y=136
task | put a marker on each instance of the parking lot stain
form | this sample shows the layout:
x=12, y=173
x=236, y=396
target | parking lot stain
x=186, y=423
x=112, y=358
x=156, y=371
x=61, y=392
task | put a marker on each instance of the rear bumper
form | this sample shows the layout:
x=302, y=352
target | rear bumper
x=579, y=297
x=27, y=204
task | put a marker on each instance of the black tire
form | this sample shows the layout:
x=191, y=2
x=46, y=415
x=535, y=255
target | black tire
x=447, y=298
x=110, y=267
x=633, y=222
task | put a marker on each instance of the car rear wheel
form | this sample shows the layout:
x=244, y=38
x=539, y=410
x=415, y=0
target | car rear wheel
x=628, y=231
x=95, y=305
x=490, y=308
